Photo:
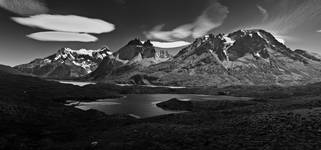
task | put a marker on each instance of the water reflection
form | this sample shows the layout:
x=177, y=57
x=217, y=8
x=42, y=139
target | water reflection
x=144, y=105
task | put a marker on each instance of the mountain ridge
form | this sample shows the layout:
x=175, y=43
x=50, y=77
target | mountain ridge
x=69, y=64
x=136, y=54
x=244, y=57
x=66, y=63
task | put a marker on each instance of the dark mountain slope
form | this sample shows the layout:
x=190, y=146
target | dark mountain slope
x=10, y=70
x=136, y=48
x=29, y=89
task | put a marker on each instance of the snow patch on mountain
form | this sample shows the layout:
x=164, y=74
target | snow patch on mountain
x=228, y=40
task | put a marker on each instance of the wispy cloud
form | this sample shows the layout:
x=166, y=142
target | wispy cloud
x=290, y=14
x=264, y=12
x=210, y=19
x=180, y=32
x=24, y=7
x=62, y=37
x=66, y=23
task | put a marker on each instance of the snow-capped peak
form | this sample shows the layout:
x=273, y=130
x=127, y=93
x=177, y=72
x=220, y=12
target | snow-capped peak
x=228, y=40
x=207, y=37
x=87, y=52
x=258, y=33
x=87, y=59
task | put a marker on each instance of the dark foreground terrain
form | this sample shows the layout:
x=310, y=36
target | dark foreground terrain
x=292, y=123
x=33, y=117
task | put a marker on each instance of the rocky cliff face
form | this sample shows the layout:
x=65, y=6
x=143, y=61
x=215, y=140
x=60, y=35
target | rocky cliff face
x=245, y=57
x=136, y=48
x=163, y=54
x=134, y=56
x=66, y=63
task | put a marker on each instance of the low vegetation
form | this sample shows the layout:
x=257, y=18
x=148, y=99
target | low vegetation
x=33, y=116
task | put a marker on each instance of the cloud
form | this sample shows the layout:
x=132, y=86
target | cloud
x=180, y=32
x=24, y=7
x=210, y=19
x=66, y=23
x=264, y=12
x=290, y=14
x=62, y=36
x=170, y=44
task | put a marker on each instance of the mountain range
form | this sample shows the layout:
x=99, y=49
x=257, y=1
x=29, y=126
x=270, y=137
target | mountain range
x=66, y=63
x=244, y=57
x=71, y=64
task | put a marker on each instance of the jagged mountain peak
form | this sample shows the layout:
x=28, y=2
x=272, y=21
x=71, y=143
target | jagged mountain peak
x=242, y=57
x=83, y=51
x=231, y=47
x=66, y=63
x=135, y=48
x=250, y=57
x=148, y=43
x=133, y=55
x=135, y=41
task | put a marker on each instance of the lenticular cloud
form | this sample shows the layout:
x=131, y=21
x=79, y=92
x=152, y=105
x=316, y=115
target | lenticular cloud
x=66, y=23
x=62, y=37
x=63, y=27
x=170, y=44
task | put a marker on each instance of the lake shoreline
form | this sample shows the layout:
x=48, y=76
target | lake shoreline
x=147, y=103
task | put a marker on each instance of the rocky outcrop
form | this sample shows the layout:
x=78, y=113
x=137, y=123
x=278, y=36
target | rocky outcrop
x=163, y=54
x=106, y=67
x=149, y=50
x=176, y=104
x=130, y=58
x=134, y=49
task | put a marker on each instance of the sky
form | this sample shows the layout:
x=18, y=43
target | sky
x=32, y=29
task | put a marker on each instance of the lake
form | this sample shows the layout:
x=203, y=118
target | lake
x=123, y=85
x=75, y=83
x=144, y=105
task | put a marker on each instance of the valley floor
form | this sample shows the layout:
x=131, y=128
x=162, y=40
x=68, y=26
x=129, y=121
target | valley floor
x=277, y=118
